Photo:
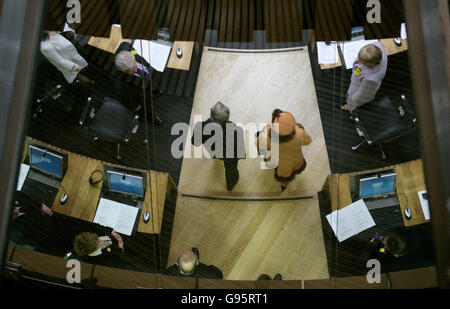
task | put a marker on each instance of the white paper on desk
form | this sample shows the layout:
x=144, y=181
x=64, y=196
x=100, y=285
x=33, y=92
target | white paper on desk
x=425, y=205
x=118, y=216
x=328, y=54
x=403, y=32
x=24, y=169
x=350, y=50
x=350, y=220
x=156, y=54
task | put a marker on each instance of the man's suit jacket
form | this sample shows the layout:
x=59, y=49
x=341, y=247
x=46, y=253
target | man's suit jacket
x=135, y=92
x=237, y=135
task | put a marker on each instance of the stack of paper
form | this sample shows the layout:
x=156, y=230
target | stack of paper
x=350, y=51
x=154, y=53
x=328, y=54
x=424, y=204
x=24, y=169
x=350, y=220
x=118, y=216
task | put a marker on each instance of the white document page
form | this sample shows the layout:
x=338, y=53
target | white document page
x=118, y=216
x=424, y=204
x=24, y=169
x=350, y=50
x=350, y=220
x=328, y=54
x=403, y=32
x=156, y=54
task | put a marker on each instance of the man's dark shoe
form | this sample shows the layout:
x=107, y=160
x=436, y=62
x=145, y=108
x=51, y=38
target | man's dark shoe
x=197, y=253
x=278, y=277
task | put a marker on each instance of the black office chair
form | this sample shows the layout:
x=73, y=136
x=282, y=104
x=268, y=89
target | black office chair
x=112, y=122
x=383, y=121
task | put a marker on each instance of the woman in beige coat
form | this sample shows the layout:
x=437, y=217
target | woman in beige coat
x=291, y=137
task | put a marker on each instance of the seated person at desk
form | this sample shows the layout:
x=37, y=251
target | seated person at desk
x=369, y=70
x=403, y=248
x=129, y=62
x=30, y=220
x=62, y=54
x=94, y=249
x=188, y=265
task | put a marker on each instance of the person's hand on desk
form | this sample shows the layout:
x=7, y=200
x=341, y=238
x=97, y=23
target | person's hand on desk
x=119, y=239
x=46, y=210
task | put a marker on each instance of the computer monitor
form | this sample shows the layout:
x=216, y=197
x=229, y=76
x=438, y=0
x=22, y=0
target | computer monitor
x=377, y=186
x=49, y=162
x=126, y=183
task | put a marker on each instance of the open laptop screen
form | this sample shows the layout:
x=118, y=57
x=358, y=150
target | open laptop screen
x=377, y=186
x=125, y=183
x=46, y=162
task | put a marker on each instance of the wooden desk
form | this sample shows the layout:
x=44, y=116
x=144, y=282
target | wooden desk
x=410, y=179
x=389, y=45
x=83, y=197
x=112, y=43
x=184, y=62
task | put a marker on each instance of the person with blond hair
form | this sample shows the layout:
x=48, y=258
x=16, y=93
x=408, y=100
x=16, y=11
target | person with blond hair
x=369, y=70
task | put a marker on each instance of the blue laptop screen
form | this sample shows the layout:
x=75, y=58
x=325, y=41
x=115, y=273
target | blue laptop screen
x=125, y=183
x=377, y=186
x=46, y=161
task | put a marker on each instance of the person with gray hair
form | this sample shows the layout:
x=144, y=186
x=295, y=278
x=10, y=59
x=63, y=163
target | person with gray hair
x=129, y=63
x=220, y=113
x=369, y=70
x=188, y=265
x=233, y=144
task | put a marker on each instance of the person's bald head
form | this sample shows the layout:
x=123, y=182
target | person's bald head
x=187, y=261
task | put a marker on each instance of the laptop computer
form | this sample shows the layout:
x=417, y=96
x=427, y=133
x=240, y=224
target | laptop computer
x=378, y=190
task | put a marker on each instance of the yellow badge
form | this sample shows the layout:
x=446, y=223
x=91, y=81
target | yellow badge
x=358, y=71
x=382, y=250
x=133, y=52
x=109, y=249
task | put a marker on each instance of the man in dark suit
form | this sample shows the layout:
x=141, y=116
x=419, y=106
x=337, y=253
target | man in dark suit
x=188, y=265
x=233, y=146
x=130, y=64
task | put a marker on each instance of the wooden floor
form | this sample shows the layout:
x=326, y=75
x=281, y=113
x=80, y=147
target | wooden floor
x=246, y=239
x=252, y=85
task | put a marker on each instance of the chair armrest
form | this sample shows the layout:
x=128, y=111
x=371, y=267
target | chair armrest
x=133, y=128
x=406, y=110
x=85, y=111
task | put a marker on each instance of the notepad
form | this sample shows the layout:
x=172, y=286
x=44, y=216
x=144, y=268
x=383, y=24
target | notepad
x=154, y=53
x=328, y=54
x=24, y=169
x=350, y=51
x=350, y=220
x=118, y=216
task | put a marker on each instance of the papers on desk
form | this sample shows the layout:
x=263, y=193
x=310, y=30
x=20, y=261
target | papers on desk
x=424, y=204
x=403, y=32
x=350, y=51
x=156, y=54
x=350, y=220
x=328, y=54
x=24, y=169
x=118, y=216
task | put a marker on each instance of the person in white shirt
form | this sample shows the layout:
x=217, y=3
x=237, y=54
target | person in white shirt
x=64, y=56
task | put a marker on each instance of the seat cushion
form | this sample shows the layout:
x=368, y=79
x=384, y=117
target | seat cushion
x=112, y=121
x=381, y=120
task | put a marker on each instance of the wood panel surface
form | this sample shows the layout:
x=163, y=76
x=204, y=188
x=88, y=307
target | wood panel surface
x=346, y=283
x=252, y=85
x=109, y=44
x=410, y=179
x=420, y=278
x=115, y=278
x=45, y=264
x=247, y=239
